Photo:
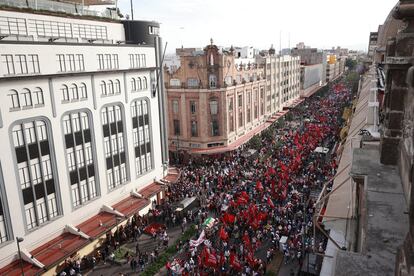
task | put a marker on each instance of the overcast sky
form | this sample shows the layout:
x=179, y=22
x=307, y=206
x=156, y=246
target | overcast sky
x=258, y=23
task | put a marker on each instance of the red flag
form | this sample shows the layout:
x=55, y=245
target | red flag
x=250, y=259
x=270, y=202
x=241, y=200
x=210, y=259
x=223, y=234
x=246, y=240
x=229, y=218
x=222, y=259
x=259, y=186
x=234, y=262
x=245, y=195
x=271, y=171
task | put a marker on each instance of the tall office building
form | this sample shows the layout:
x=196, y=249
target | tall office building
x=82, y=121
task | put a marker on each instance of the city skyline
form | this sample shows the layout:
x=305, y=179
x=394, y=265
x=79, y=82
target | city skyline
x=191, y=23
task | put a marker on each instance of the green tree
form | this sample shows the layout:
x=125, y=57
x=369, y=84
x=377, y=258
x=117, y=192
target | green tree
x=350, y=63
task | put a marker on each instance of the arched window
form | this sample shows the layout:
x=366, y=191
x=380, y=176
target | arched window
x=142, y=137
x=139, y=84
x=65, y=93
x=103, y=88
x=26, y=98
x=38, y=96
x=117, y=87
x=14, y=97
x=80, y=157
x=110, y=87
x=40, y=201
x=144, y=83
x=83, y=91
x=74, y=92
x=114, y=145
x=133, y=85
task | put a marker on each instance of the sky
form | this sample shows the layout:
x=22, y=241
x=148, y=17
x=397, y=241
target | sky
x=261, y=23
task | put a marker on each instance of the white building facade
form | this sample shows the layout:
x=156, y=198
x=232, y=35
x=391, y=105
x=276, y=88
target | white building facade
x=81, y=122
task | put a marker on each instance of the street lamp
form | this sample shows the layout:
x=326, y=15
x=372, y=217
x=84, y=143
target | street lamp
x=19, y=240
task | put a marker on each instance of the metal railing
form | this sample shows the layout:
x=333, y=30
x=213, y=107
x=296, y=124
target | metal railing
x=54, y=6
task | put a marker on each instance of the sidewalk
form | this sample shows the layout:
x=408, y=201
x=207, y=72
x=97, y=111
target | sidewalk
x=146, y=244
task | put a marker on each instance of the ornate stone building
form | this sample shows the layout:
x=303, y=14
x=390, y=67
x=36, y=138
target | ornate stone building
x=213, y=101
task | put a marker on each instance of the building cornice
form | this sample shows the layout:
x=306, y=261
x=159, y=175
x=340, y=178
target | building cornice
x=73, y=74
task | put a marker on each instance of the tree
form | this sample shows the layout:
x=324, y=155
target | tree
x=350, y=63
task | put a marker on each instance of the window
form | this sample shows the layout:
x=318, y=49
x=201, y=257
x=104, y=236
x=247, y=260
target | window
x=26, y=98
x=133, y=84
x=176, y=127
x=101, y=62
x=14, y=98
x=117, y=87
x=139, y=84
x=144, y=83
x=192, y=83
x=194, y=131
x=103, y=88
x=40, y=201
x=83, y=91
x=80, y=158
x=231, y=122
x=175, y=106
x=230, y=104
x=80, y=62
x=131, y=61
x=74, y=92
x=212, y=79
x=108, y=62
x=71, y=62
x=110, y=87
x=65, y=93
x=143, y=60
x=193, y=108
x=152, y=30
x=215, y=128
x=62, y=63
x=38, y=96
x=114, y=141
x=240, y=118
x=34, y=64
x=115, y=61
x=229, y=81
x=9, y=64
x=142, y=136
x=213, y=107
x=21, y=64
x=240, y=100
x=4, y=221
x=175, y=83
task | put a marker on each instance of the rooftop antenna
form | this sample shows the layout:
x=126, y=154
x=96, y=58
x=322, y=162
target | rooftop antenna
x=132, y=10
x=289, y=39
x=280, y=42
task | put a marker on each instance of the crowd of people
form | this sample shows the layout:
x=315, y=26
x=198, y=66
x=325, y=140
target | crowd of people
x=260, y=197
x=262, y=194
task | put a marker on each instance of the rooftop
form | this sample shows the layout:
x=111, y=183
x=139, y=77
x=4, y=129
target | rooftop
x=386, y=222
x=53, y=7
